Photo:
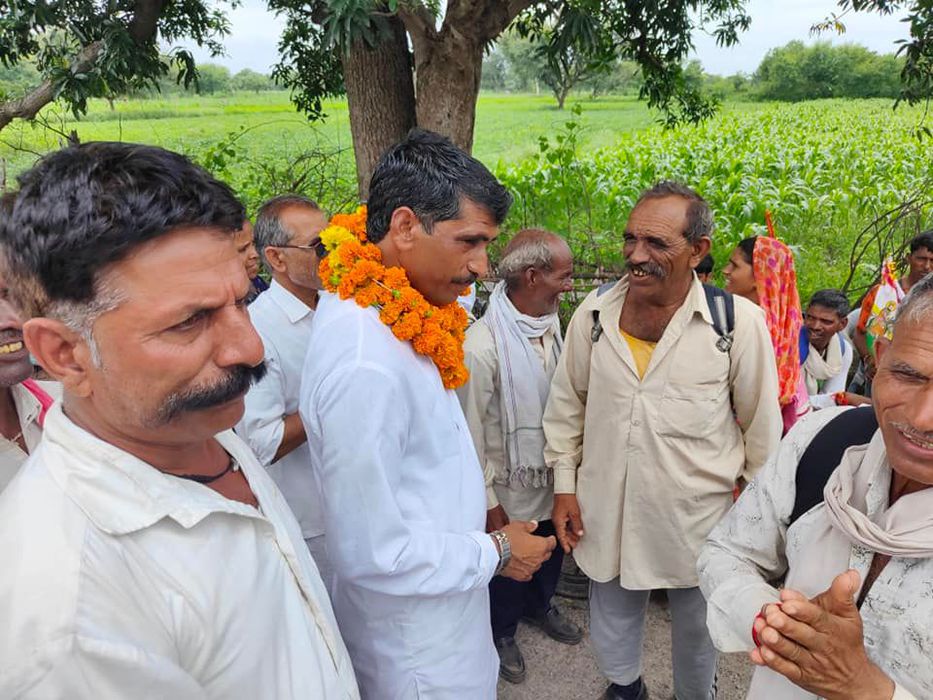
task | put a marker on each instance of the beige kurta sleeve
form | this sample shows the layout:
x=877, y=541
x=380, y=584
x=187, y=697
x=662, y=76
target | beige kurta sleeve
x=476, y=396
x=566, y=405
x=753, y=383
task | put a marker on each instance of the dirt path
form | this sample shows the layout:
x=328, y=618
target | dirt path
x=560, y=672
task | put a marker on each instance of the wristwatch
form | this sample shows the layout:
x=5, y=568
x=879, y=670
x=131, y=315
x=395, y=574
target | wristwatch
x=504, y=547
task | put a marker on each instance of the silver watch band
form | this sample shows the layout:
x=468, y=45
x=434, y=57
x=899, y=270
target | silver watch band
x=505, y=549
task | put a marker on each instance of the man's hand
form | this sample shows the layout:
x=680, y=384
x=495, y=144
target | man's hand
x=496, y=518
x=529, y=551
x=857, y=399
x=818, y=644
x=567, y=521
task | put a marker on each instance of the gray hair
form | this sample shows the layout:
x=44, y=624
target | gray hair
x=529, y=248
x=699, y=214
x=918, y=304
x=80, y=317
x=268, y=229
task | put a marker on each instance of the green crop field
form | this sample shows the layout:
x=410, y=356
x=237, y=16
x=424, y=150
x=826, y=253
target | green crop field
x=507, y=126
x=826, y=169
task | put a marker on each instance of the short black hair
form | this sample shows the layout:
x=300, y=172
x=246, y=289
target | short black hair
x=705, y=266
x=831, y=299
x=922, y=240
x=699, y=214
x=429, y=174
x=85, y=207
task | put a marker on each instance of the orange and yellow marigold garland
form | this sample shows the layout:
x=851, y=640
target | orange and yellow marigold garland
x=353, y=268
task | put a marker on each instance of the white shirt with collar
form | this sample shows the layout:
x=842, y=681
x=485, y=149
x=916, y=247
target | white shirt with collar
x=28, y=409
x=405, y=511
x=120, y=581
x=283, y=322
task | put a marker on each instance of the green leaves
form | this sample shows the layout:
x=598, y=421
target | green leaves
x=826, y=170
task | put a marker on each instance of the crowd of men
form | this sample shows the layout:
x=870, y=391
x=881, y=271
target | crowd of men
x=241, y=489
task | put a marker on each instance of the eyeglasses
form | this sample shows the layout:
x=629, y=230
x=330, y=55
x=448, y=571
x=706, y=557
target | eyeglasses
x=316, y=246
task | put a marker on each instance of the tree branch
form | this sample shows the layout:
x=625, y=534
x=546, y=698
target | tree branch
x=28, y=106
x=418, y=21
x=142, y=29
x=145, y=20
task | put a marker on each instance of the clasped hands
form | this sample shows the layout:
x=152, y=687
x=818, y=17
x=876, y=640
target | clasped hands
x=529, y=551
x=818, y=644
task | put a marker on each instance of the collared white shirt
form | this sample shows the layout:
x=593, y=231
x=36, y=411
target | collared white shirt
x=120, y=582
x=28, y=409
x=405, y=511
x=653, y=461
x=482, y=407
x=283, y=322
x=754, y=545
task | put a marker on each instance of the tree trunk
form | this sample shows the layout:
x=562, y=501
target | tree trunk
x=380, y=99
x=448, y=71
x=561, y=95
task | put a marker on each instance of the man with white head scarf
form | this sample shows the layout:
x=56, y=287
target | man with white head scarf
x=511, y=354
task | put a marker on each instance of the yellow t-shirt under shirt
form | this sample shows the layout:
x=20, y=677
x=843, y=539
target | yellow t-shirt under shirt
x=641, y=352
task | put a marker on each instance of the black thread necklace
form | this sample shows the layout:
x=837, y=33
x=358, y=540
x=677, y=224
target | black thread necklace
x=201, y=479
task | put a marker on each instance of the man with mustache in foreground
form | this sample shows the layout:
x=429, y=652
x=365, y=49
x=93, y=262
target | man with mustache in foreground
x=652, y=419
x=145, y=551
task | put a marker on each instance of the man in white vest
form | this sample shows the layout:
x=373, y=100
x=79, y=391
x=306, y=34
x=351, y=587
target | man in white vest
x=511, y=353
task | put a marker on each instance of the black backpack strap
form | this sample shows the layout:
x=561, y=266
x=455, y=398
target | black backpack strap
x=597, y=331
x=722, y=308
x=824, y=453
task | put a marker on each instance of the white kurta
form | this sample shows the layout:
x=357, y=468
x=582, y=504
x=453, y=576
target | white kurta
x=119, y=581
x=404, y=511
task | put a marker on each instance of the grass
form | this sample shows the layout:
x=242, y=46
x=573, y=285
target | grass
x=507, y=126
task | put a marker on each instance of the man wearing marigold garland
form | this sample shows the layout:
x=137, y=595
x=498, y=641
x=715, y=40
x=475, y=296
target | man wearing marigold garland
x=511, y=353
x=405, y=505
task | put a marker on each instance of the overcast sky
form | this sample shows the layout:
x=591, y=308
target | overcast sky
x=255, y=32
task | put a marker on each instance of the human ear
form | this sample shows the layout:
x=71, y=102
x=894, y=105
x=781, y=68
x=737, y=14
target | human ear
x=404, y=226
x=700, y=249
x=61, y=352
x=275, y=258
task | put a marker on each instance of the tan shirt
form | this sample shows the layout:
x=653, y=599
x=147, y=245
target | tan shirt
x=480, y=400
x=28, y=409
x=654, y=462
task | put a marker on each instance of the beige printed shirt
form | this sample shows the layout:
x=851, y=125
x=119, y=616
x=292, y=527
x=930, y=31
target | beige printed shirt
x=654, y=461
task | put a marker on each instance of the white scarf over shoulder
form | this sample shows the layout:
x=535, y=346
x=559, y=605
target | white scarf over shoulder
x=904, y=529
x=817, y=369
x=523, y=386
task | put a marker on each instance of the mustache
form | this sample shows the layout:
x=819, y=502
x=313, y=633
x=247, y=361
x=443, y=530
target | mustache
x=648, y=268
x=465, y=281
x=233, y=384
x=913, y=432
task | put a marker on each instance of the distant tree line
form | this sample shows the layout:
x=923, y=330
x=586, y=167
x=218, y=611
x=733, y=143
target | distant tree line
x=212, y=80
x=791, y=73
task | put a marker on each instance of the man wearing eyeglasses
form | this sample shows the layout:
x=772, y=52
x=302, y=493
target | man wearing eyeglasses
x=287, y=234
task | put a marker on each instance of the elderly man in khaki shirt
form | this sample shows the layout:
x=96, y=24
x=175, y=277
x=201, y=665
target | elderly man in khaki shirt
x=651, y=421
